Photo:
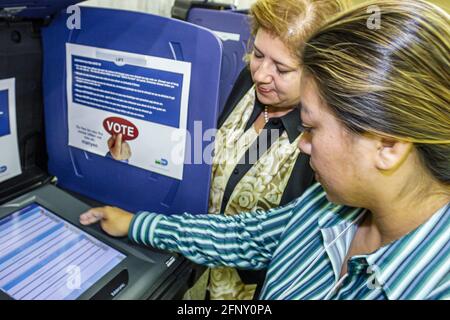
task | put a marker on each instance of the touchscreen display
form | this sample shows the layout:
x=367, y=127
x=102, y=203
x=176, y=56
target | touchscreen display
x=43, y=257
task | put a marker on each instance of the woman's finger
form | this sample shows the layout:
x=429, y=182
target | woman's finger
x=91, y=216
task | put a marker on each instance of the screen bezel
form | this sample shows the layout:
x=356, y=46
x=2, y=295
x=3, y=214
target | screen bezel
x=90, y=231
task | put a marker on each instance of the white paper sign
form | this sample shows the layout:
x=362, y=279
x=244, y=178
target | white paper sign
x=142, y=98
x=9, y=148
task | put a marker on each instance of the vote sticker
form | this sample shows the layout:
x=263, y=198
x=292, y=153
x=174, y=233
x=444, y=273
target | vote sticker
x=116, y=125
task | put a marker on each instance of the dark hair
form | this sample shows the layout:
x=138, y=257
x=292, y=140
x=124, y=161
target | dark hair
x=392, y=81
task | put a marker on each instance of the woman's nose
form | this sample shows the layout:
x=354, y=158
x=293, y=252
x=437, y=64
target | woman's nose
x=304, y=143
x=263, y=73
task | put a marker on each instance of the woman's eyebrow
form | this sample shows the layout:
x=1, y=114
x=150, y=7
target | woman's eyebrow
x=256, y=48
x=284, y=64
x=276, y=61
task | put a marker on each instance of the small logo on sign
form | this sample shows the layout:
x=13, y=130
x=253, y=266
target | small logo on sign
x=116, y=125
x=162, y=162
x=3, y=169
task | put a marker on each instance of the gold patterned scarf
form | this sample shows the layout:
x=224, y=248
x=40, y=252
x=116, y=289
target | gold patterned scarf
x=261, y=187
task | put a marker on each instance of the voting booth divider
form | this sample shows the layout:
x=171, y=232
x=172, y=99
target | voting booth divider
x=110, y=181
x=75, y=83
x=233, y=28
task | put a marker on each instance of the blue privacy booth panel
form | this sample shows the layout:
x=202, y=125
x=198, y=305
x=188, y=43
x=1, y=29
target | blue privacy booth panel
x=36, y=8
x=234, y=30
x=102, y=178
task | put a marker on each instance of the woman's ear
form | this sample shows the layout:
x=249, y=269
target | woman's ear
x=391, y=153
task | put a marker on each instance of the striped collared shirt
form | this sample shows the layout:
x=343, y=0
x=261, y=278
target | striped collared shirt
x=303, y=246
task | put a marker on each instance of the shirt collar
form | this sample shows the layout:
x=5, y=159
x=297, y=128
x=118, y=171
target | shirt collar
x=338, y=225
x=401, y=266
x=338, y=216
x=291, y=121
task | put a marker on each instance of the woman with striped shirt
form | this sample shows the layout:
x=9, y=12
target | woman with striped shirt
x=375, y=106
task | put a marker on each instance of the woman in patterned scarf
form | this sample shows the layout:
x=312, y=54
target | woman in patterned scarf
x=257, y=165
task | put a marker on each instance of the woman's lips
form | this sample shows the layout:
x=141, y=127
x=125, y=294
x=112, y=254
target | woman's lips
x=264, y=91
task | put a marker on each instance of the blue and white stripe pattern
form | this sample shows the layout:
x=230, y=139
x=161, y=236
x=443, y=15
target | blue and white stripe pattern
x=303, y=245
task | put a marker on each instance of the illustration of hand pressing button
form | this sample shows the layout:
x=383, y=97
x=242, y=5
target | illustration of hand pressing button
x=119, y=149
